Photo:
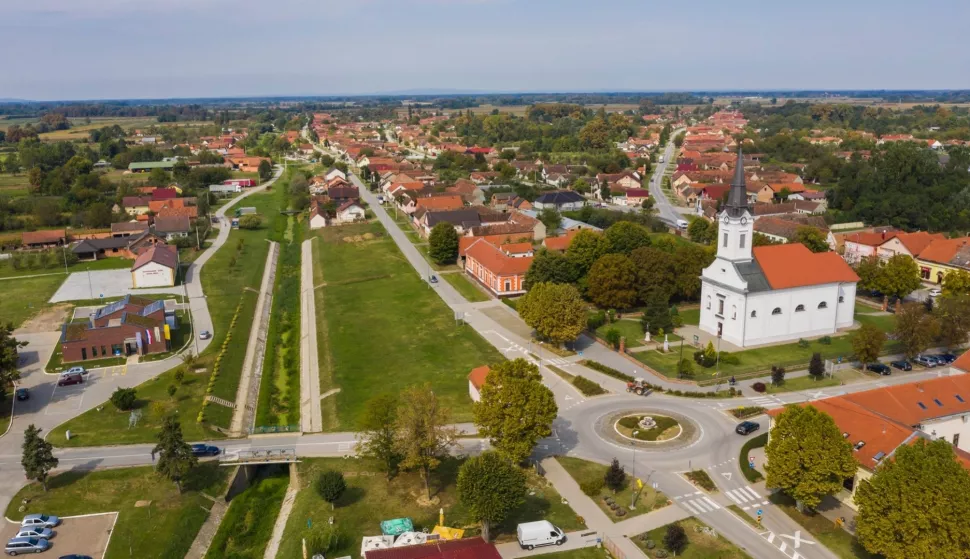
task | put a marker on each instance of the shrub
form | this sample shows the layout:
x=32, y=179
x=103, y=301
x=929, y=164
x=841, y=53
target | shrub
x=729, y=359
x=816, y=367
x=613, y=338
x=661, y=554
x=592, y=487
x=606, y=370
x=759, y=387
x=180, y=375
x=124, y=398
x=701, y=479
x=331, y=485
x=827, y=340
x=802, y=342
x=588, y=387
x=751, y=474
x=615, y=477
x=649, y=544
x=777, y=375
x=675, y=539
x=595, y=320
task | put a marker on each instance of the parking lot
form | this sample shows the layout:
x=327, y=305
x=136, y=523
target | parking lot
x=101, y=283
x=83, y=535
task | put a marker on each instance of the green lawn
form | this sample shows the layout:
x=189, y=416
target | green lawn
x=629, y=329
x=423, y=249
x=465, y=287
x=56, y=266
x=6, y=409
x=381, y=328
x=840, y=542
x=582, y=553
x=370, y=498
x=884, y=322
x=846, y=376
x=690, y=316
x=164, y=529
x=585, y=472
x=248, y=524
x=23, y=298
x=700, y=545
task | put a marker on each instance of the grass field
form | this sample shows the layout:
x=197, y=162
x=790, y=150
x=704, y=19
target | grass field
x=248, y=524
x=6, y=409
x=700, y=545
x=690, y=316
x=846, y=376
x=57, y=267
x=629, y=329
x=380, y=327
x=22, y=298
x=465, y=287
x=584, y=472
x=163, y=529
x=370, y=498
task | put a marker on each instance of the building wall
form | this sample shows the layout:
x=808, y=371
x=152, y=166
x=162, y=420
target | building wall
x=855, y=252
x=932, y=272
x=110, y=339
x=317, y=222
x=949, y=427
x=153, y=274
x=496, y=284
x=790, y=324
x=473, y=392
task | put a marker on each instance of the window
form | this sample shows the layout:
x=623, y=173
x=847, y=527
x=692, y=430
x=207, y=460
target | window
x=937, y=402
x=84, y=354
x=823, y=305
x=94, y=351
x=776, y=311
x=841, y=298
x=103, y=351
x=508, y=285
x=741, y=244
x=959, y=398
x=754, y=314
x=921, y=405
x=800, y=308
x=720, y=306
x=734, y=312
x=956, y=439
x=725, y=240
x=708, y=302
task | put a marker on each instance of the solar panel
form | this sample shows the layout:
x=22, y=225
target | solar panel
x=879, y=456
x=155, y=306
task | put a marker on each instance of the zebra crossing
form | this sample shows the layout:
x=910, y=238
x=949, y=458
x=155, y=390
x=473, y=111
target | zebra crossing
x=746, y=497
x=697, y=503
x=767, y=401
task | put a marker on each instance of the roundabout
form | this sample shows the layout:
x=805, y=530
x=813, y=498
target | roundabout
x=648, y=428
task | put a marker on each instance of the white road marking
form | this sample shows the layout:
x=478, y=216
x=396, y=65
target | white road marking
x=712, y=503
x=751, y=492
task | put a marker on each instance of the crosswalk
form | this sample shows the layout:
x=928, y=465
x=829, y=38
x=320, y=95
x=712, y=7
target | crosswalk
x=746, y=497
x=697, y=503
x=767, y=401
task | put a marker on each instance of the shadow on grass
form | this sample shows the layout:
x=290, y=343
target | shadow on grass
x=203, y=476
x=351, y=496
x=72, y=476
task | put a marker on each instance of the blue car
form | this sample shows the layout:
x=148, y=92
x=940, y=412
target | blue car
x=926, y=360
x=205, y=450
x=945, y=358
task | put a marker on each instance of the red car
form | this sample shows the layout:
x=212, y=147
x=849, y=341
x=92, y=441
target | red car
x=67, y=380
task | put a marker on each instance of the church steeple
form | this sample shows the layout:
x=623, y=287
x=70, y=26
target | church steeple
x=737, y=202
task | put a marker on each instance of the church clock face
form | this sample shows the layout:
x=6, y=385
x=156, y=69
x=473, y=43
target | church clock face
x=725, y=220
x=744, y=220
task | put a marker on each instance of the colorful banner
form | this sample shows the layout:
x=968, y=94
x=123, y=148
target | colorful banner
x=168, y=333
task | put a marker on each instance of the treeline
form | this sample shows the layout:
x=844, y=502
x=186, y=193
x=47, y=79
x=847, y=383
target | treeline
x=945, y=122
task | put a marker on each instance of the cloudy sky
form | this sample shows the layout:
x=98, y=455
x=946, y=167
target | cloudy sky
x=97, y=49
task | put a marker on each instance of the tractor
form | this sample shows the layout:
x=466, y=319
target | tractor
x=638, y=387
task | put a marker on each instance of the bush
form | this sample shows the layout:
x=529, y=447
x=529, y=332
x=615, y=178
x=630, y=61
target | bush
x=751, y=474
x=250, y=221
x=777, y=375
x=827, y=340
x=802, y=342
x=675, y=539
x=595, y=320
x=701, y=479
x=124, y=398
x=331, y=485
x=588, y=387
x=661, y=554
x=610, y=371
x=613, y=338
x=759, y=387
x=592, y=487
x=615, y=477
x=729, y=359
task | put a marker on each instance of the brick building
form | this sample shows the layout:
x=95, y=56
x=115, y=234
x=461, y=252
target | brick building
x=133, y=325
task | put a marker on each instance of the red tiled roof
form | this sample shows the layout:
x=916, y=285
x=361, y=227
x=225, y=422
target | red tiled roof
x=793, y=265
x=42, y=237
x=161, y=253
x=943, y=250
x=916, y=242
x=477, y=376
x=963, y=362
x=516, y=248
x=560, y=243
x=448, y=202
x=496, y=261
x=870, y=238
x=902, y=402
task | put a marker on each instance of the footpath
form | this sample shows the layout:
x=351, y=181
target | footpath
x=310, y=416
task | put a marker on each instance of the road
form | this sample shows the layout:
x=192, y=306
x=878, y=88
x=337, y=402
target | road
x=665, y=210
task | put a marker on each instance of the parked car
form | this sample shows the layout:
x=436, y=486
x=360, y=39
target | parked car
x=926, y=360
x=902, y=365
x=16, y=546
x=205, y=335
x=36, y=532
x=67, y=380
x=37, y=519
x=74, y=556
x=22, y=394
x=205, y=450
x=945, y=358
x=534, y=534
x=75, y=371
x=936, y=292
x=879, y=368
x=747, y=427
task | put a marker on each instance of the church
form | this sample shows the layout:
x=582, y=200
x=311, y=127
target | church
x=758, y=295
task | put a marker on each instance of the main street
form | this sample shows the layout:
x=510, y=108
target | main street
x=665, y=209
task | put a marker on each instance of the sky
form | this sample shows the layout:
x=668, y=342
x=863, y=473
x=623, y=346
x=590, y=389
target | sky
x=120, y=49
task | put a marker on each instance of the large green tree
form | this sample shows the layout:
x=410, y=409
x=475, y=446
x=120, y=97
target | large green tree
x=916, y=505
x=953, y=314
x=377, y=430
x=38, y=456
x=869, y=270
x=702, y=231
x=956, y=282
x=555, y=311
x=655, y=272
x=424, y=433
x=516, y=410
x=626, y=236
x=265, y=170
x=175, y=458
x=9, y=354
x=443, y=243
x=812, y=238
x=656, y=313
x=915, y=328
x=490, y=487
x=612, y=282
x=867, y=343
x=549, y=266
x=585, y=249
x=899, y=276
x=689, y=262
x=807, y=457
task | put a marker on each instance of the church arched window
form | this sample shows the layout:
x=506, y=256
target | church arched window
x=776, y=311
x=800, y=308
x=841, y=299
x=708, y=302
x=754, y=314
x=823, y=305
x=734, y=312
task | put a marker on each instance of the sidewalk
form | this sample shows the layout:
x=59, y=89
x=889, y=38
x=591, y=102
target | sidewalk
x=310, y=414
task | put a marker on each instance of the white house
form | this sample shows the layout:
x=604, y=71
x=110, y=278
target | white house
x=771, y=293
x=349, y=212
x=155, y=267
x=333, y=173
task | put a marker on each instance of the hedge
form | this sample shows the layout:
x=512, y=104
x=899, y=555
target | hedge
x=750, y=473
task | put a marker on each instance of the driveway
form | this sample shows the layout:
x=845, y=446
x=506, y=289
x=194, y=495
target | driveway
x=83, y=535
x=102, y=284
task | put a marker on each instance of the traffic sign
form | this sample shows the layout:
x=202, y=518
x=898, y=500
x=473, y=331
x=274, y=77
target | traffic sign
x=759, y=512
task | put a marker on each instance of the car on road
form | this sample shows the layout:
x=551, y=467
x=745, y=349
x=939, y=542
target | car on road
x=926, y=360
x=68, y=380
x=75, y=371
x=879, y=368
x=37, y=519
x=22, y=394
x=945, y=358
x=74, y=556
x=205, y=450
x=747, y=427
x=205, y=335
x=902, y=365
x=36, y=532
x=936, y=292
x=16, y=546
x=433, y=279
x=682, y=224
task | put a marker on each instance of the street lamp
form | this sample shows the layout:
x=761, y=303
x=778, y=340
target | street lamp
x=633, y=501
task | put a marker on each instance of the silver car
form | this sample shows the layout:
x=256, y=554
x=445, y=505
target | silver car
x=40, y=520
x=36, y=532
x=16, y=546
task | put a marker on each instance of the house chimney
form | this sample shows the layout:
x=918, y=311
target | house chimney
x=919, y=386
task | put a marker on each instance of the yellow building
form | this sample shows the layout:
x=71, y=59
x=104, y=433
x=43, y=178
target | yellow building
x=943, y=256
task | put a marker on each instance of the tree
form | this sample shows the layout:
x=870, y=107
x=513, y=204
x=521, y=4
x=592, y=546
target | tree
x=424, y=435
x=175, y=458
x=38, y=456
x=956, y=282
x=899, y=276
x=675, y=538
x=549, y=267
x=443, y=243
x=159, y=177
x=656, y=313
x=816, y=367
x=867, y=343
x=869, y=270
x=377, y=432
x=812, y=238
x=916, y=505
x=124, y=398
x=9, y=355
x=655, y=273
x=612, y=282
x=551, y=219
x=265, y=170
x=585, y=249
x=250, y=221
x=331, y=485
x=490, y=487
x=516, y=410
x=555, y=311
x=689, y=261
x=172, y=389
x=953, y=314
x=626, y=236
x=807, y=457
x=777, y=375
x=615, y=477
x=915, y=328
x=701, y=231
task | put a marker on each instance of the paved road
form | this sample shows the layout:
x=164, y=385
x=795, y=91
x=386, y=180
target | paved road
x=310, y=414
x=666, y=211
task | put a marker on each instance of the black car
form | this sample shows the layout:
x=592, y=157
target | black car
x=746, y=427
x=902, y=365
x=205, y=450
x=74, y=556
x=945, y=358
x=22, y=394
x=879, y=368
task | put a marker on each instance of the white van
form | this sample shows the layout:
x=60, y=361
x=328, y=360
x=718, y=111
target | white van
x=681, y=224
x=539, y=533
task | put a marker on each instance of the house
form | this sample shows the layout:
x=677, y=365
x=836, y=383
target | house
x=148, y=166
x=462, y=219
x=128, y=228
x=476, y=380
x=559, y=244
x=318, y=216
x=943, y=256
x=521, y=249
x=633, y=197
x=132, y=326
x=469, y=191
x=164, y=193
x=43, y=239
x=909, y=244
x=445, y=202
x=156, y=267
x=347, y=211
x=172, y=227
x=125, y=247
x=753, y=296
x=560, y=200
x=863, y=244
x=783, y=228
x=350, y=211
x=499, y=272
x=136, y=205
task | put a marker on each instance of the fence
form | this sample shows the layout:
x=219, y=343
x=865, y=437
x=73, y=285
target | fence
x=262, y=430
x=612, y=548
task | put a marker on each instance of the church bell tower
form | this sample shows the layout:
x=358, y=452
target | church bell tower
x=736, y=225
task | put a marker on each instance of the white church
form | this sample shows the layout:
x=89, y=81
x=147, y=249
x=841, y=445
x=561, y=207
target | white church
x=753, y=296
